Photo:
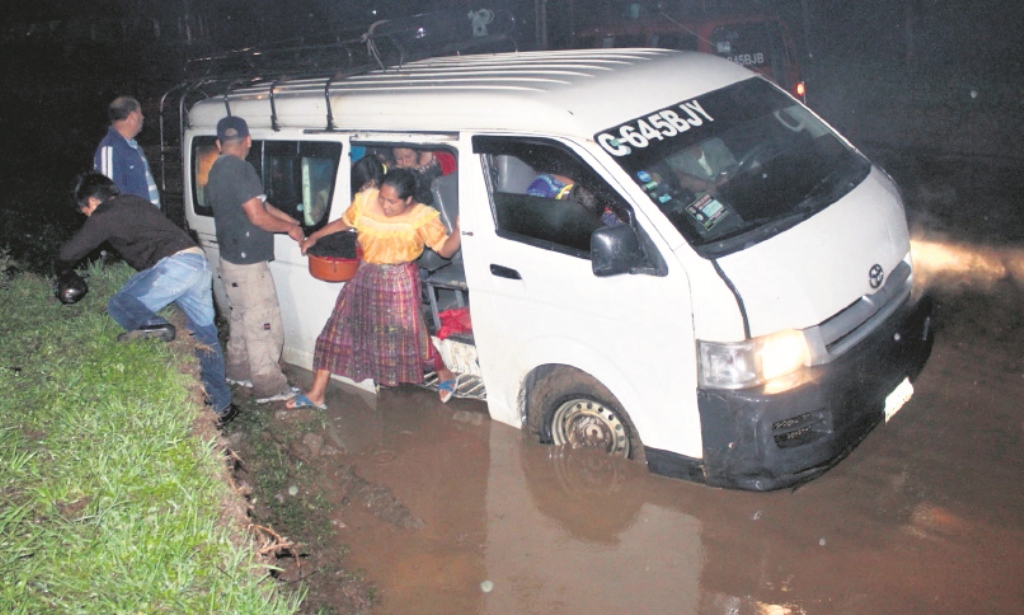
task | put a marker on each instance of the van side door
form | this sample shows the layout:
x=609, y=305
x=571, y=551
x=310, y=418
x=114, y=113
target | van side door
x=535, y=300
x=304, y=177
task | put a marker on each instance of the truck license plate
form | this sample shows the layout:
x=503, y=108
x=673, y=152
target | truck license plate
x=899, y=396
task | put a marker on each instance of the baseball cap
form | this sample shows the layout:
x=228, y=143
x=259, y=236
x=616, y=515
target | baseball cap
x=232, y=128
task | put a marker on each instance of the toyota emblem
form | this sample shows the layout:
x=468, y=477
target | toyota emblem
x=875, y=276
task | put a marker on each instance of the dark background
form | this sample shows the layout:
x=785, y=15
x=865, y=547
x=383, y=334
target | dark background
x=901, y=78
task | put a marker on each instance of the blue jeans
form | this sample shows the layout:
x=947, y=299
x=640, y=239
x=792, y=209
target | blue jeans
x=185, y=280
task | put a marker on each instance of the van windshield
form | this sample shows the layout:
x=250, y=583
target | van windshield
x=736, y=166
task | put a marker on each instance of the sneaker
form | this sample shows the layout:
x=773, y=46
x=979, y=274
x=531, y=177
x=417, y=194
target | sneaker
x=163, y=332
x=240, y=383
x=288, y=393
x=226, y=416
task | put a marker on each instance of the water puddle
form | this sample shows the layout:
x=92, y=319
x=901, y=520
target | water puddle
x=446, y=511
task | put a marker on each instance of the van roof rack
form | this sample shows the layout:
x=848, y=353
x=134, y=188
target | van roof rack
x=385, y=44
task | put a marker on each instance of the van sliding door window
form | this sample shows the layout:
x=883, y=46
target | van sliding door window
x=544, y=195
x=204, y=154
x=298, y=176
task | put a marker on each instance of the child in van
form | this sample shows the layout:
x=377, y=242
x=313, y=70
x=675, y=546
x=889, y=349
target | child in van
x=377, y=329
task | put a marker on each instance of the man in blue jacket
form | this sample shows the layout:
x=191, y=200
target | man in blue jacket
x=120, y=158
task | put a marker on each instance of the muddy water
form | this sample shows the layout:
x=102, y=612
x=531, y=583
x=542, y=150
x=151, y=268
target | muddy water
x=458, y=514
x=926, y=516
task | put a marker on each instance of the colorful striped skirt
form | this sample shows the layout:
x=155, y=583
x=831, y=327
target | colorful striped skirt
x=377, y=330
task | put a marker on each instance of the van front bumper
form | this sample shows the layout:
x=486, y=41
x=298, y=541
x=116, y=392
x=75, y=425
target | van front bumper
x=761, y=441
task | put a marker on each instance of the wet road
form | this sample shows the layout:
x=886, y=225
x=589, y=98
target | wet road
x=926, y=516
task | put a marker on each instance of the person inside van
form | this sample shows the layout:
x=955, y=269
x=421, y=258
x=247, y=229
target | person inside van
x=596, y=206
x=551, y=186
x=367, y=172
x=376, y=330
x=557, y=186
x=424, y=164
x=701, y=167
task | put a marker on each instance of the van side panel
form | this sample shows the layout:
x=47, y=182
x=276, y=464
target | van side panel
x=633, y=333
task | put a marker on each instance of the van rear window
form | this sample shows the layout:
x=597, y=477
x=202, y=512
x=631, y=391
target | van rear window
x=735, y=166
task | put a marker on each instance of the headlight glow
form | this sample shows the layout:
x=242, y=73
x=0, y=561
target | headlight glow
x=782, y=353
x=738, y=365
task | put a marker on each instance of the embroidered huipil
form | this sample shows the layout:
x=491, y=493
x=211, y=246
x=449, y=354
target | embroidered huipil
x=396, y=239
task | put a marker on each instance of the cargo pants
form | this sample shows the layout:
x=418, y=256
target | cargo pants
x=256, y=335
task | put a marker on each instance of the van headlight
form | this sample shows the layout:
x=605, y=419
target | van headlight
x=738, y=365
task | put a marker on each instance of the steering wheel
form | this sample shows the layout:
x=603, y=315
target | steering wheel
x=748, y=160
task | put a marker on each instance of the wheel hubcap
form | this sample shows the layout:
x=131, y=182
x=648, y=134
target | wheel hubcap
x=585, y=423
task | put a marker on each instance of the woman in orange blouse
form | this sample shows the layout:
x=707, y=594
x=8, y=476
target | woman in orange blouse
x=377, y=329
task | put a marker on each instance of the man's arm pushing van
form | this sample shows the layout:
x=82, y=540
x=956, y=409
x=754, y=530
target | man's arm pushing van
x=724, y=291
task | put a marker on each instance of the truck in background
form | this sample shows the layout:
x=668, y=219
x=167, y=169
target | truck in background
x=758, y=41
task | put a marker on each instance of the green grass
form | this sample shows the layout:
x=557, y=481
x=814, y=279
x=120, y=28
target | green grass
x=273, y=471
x=107, y=503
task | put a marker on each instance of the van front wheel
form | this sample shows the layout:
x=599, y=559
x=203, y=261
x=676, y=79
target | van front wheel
x=585, y=423
x=576, y=410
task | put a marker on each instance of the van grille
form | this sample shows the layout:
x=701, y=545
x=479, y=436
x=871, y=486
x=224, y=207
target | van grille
x=833, y=337
x=799, y=430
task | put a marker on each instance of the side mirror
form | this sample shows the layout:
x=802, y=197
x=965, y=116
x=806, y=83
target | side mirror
x=615, y=250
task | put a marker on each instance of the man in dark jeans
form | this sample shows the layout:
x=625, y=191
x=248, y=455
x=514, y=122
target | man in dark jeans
x=171, y=268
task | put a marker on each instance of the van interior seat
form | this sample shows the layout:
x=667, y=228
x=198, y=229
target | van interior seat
x=445, y=190
x=513, y=175
x=445, y=279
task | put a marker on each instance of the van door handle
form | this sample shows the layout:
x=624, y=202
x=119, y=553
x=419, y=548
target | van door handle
x=505, y=272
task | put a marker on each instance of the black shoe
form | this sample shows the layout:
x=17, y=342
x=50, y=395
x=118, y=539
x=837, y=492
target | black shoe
x=163, y=332
x=227, y=416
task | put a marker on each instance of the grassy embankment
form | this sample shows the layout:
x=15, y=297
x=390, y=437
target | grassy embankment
x=113, y=496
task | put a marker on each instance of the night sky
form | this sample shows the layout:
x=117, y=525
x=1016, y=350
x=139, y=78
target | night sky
x=64, y=61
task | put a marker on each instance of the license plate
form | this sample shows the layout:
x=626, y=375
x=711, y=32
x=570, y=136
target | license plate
x=899, y=396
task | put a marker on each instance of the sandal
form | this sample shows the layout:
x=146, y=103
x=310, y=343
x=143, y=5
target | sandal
x=446, y=389
x=302, y=401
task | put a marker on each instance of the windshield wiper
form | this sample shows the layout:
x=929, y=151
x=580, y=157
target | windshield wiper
x=847, y=174
x=755, y=231
x=824, y=186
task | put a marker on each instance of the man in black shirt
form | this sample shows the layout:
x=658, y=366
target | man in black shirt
x=246, y=224
x=171, y=268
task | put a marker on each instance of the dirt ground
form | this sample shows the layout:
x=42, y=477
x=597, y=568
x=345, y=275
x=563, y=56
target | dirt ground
x=431, y=508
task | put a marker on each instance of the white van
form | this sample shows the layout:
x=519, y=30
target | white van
x=725, y=293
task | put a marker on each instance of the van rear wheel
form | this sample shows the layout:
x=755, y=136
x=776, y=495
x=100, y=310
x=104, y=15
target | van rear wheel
x=568, y=407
